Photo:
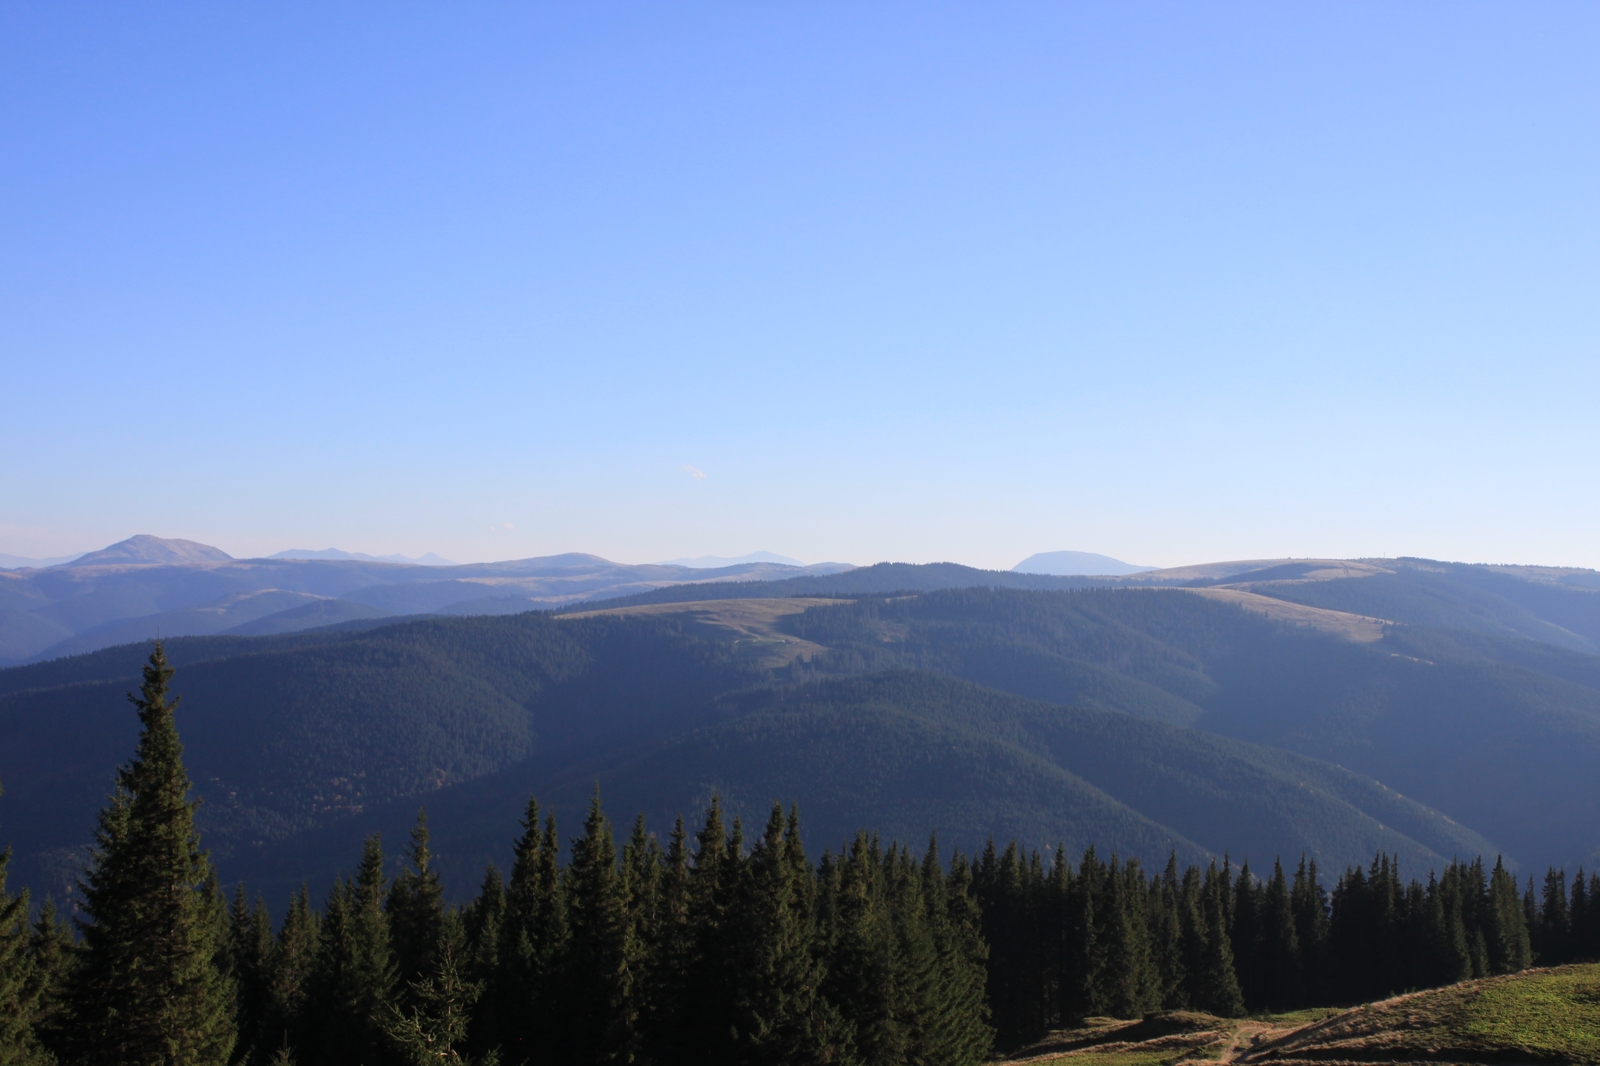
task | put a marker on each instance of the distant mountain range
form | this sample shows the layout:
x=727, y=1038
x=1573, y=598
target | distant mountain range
x=430, y=559
x=709, y=561
x=1086, y=564
x=1262, y=708
x=145, y=586
x=19, y=562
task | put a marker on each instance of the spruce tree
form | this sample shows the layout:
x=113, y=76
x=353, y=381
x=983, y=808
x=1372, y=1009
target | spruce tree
x=1507, y=927
x=293, y=958
x=603, y=1011
x=968, y=1037
x=250, y=947
x=1278, y=946
x=1581, y=916
x=861, y=972
x=663, y=1005
x=21, y=980
x=1129, y=978
x=55, y=956
x=779, y=1014
x=149, y=990
x=1192, y=934
x=710, y=982
x=415, y=906
x=1310, y=902
x=1246, y=935
x=353, y=980
x=1456, y=957
x=1055, y=937
x=1216, y=989
x=917, y=989
x=1553, y=933
x=1166, y=935
x=643, y=879
x=1088, y=950
x=480, y=955
x=432, y=1029
x=529, y=987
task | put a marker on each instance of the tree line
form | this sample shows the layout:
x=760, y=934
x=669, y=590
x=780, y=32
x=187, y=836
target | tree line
x=709, y=948
x=1102, y=938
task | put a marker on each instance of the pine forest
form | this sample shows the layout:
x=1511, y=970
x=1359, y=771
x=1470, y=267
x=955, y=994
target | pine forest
x=721, y=944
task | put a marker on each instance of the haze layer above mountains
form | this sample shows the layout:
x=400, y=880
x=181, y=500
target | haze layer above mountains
x=147, y=586
x=1265, y=708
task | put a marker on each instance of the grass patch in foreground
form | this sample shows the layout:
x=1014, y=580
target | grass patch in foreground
x=1555, y=1013
x=1550, y=1016
x=1294, y=1018
x=1118, y=1058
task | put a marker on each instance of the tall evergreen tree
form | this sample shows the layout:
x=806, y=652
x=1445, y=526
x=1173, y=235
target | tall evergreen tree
x=1310, y=902
x=1278, y=946
x=664, y=1005
x=1583, y=915
x=1506, y=928
x=1217, y=987
x=415, y=906
x=1129, y=976
x=250, y=947
x=481, y=924
x=1081, y=976
x=710, y=982
x=861, y=977
x=480, y=956
x=528, y=989
x=779, y=1014
x=603, y=1011
x=967, y=1037
x=1553, y=931
x=149, y=990
x=22, y=981
x=1166, y=935
x=432, y=1029
x=1246, y=936
x=293, y=958
x=55, y=957
x=1455, y=954
x=353, y=981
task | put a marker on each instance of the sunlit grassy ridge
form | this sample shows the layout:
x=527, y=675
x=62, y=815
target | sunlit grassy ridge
x=1543, y=1016
x=1540, y=1015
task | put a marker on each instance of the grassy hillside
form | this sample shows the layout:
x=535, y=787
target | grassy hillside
x=1492, y=600
x=1535, y=1016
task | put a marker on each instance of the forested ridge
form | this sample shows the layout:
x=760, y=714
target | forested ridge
x=1141, y=720
x=715, y=946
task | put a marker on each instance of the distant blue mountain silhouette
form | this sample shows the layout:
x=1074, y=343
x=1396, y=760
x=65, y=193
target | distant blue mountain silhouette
x=1074, y=563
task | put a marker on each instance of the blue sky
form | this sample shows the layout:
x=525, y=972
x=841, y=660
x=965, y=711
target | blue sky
x=1172, y=282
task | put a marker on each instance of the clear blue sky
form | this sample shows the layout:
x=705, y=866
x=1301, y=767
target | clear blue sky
x=1172, y=282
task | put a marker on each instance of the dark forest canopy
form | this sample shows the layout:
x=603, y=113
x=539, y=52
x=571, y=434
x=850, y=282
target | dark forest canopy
x=716, y=946
x=1144, y=721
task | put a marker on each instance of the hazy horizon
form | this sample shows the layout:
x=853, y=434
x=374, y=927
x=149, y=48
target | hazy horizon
x=11, y=560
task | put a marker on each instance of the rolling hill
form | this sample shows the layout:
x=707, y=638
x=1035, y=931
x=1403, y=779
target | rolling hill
x=1272, y=707
x=145, y=585
x=1147, y=720
x=1542, y=1015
